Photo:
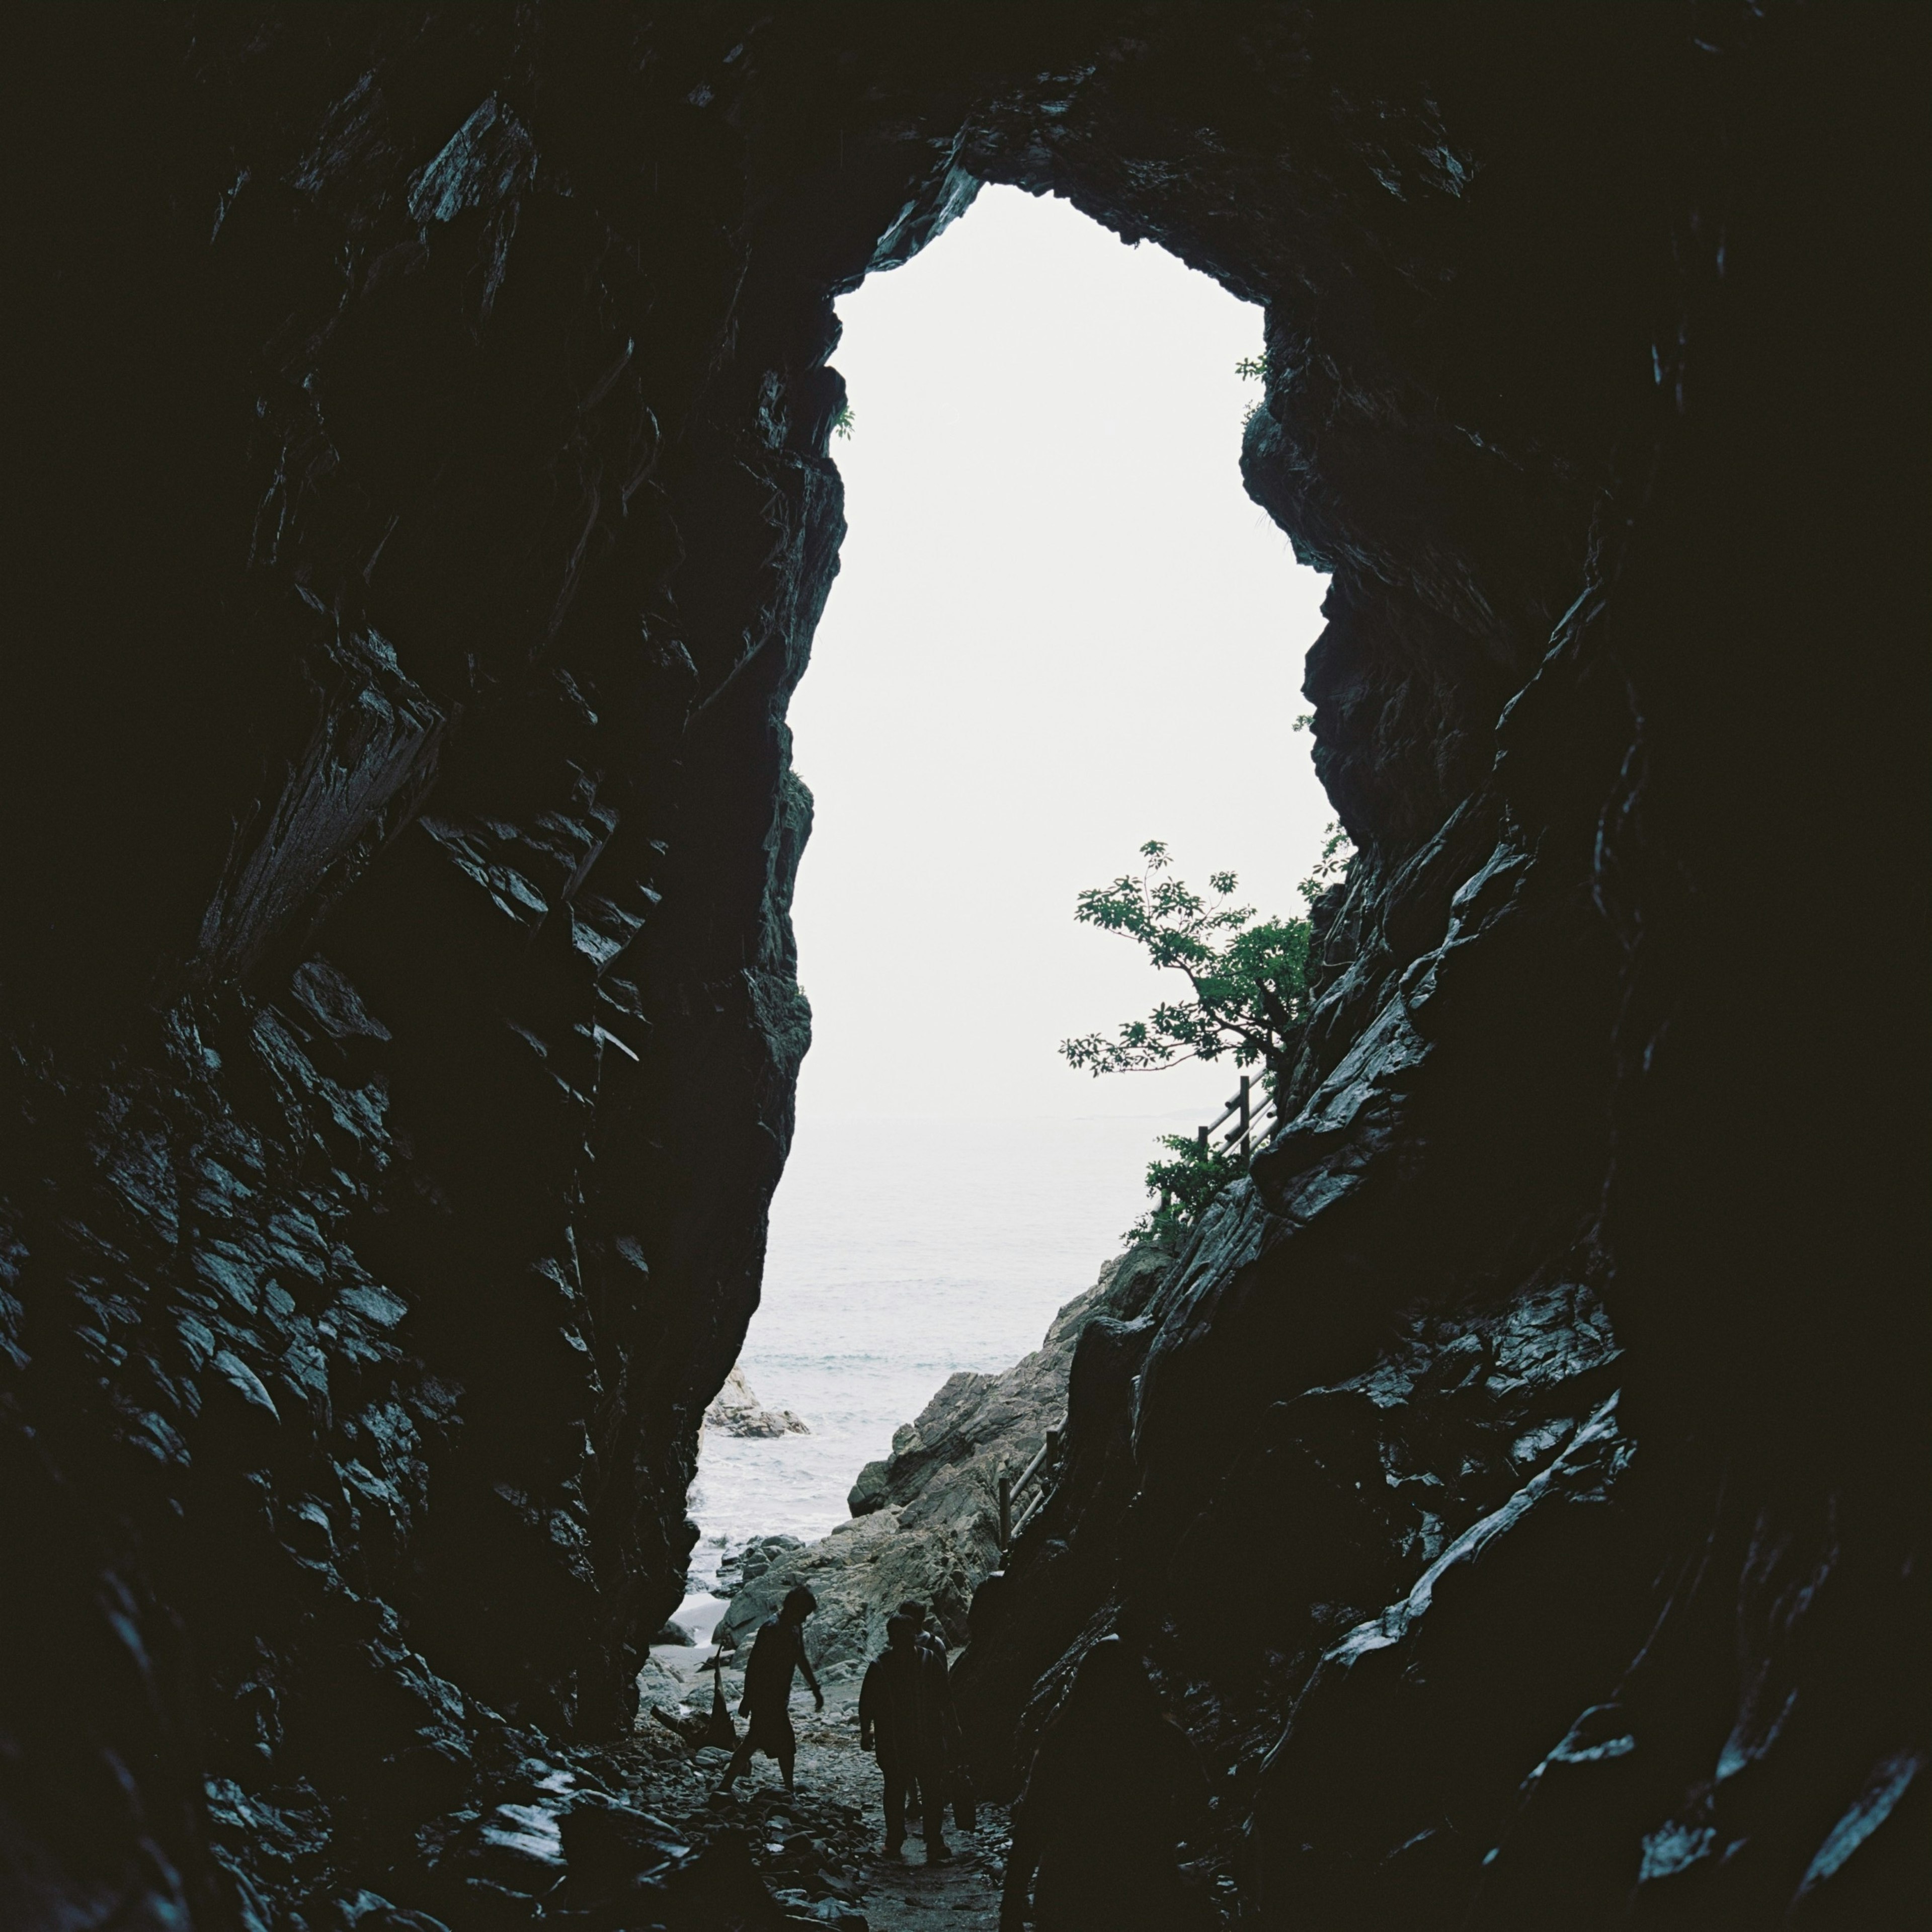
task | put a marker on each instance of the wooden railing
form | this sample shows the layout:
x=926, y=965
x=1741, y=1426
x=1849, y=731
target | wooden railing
x=1012, y=1492
x=1251, y=1114
x=1244, y=1124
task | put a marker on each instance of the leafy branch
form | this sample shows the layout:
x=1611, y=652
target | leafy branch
x=1248, y=980
x=1337, y=849
x=1248, y=983
x=1252, y=369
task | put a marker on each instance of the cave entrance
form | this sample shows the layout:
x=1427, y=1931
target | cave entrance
x=1061, y=627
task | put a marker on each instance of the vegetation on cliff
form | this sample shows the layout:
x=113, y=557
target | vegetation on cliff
x=1249, y=981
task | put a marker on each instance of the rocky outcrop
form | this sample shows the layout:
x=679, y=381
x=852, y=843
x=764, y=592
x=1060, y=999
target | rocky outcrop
x=425, y=511
x=860, y=1574
x=400, y=1017
x=736, y=1411
x=945, y=1466
x=925, y=1520
x=1531, y=1066
x=750, y=1560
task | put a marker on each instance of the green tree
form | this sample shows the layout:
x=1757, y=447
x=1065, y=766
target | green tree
x=1247, y=978
x=1185, y=1182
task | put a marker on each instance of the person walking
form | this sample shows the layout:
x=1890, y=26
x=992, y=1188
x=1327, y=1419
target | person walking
x=778, y=1651
x=905, y=1719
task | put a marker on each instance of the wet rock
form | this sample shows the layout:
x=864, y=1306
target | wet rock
x=656, y=1685
x=430, y=510
x=736, y=1411
x=369, y=1912
x=860, y=1574
x=1514, y=1602
x=945, y=1466
x=747, y=1563
x=609, y=1847
x=926, y=1520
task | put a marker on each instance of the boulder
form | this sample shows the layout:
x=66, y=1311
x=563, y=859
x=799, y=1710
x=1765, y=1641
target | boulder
x=736, y=1411
x=944, y=1468
x=657, y=1689
x=860, y=1574
x=925, y=1520
x=747, y=1564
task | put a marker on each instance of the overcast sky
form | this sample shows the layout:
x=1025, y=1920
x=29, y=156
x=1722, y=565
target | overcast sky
x=1060, y=628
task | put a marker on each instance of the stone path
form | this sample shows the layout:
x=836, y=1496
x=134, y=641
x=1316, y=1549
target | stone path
x=822, y=1846
x=907, y=1894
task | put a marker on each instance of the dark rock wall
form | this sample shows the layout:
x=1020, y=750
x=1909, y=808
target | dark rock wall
x=1559, y=393
x=420, y=535
x=421, y=512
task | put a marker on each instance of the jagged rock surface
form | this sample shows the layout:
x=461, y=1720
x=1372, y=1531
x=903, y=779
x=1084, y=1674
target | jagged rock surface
x=423, y=510
x=736, y=1410
x=750, y=1562
x=860, y=1575
x=945, y=1465
x=926, y=1520
x=1531, y=1064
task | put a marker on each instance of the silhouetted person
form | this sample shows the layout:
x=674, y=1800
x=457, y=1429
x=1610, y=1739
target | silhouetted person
x=952, y=1772
x=905, y=1716
x=778, y=1651
x=1115, y=1787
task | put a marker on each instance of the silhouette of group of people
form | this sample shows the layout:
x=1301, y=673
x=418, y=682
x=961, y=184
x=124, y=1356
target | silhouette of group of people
x=907, y=1719
x=1114, y=1795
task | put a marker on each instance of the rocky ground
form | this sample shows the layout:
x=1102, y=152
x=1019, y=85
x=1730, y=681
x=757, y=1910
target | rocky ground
x=820, y=1849
x=925, y=1524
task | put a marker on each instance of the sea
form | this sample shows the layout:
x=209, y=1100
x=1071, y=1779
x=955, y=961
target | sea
x=902, y=1251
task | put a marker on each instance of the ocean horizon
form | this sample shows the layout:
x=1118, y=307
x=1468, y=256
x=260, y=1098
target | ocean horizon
x=903, y=1249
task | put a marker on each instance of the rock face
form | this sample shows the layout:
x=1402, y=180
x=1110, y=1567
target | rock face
x=945, y=1467
x=860, y=1574
x=747, y=1564
x=926, y=1520
x=423, y=511
x=736, y=1411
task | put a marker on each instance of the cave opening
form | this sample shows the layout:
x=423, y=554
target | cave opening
x=1051, y=588
x=425, y=502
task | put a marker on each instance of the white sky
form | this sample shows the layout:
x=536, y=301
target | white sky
x=1061, y=629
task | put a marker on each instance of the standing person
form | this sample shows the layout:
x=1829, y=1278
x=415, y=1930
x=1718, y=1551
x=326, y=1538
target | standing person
x=882, y=1730
x=948, y=1758
x=779, y=1651
x=1115, y=1787
x=904, y=1707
